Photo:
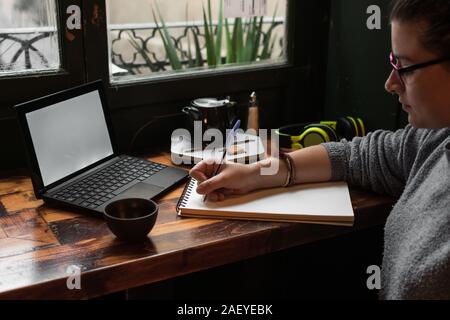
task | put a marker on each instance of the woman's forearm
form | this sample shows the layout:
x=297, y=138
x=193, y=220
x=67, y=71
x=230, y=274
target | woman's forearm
x=311, y=165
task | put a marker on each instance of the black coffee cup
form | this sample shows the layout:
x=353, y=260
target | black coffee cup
x=131, y=219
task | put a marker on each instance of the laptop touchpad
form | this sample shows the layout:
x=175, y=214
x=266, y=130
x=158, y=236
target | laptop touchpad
x=141, y=190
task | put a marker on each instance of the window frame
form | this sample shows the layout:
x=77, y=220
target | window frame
x=39, y=83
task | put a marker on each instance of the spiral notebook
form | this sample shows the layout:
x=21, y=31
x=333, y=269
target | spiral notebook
x=323, y=203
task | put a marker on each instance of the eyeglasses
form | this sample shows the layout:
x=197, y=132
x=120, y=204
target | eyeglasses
x=402, y=71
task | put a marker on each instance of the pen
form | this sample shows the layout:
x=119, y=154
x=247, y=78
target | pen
x=222, y=149
x=227, y=145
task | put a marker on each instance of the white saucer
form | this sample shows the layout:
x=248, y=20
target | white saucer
x=249, y=149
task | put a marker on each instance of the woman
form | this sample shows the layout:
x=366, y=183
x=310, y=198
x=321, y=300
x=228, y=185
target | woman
x=412, y=164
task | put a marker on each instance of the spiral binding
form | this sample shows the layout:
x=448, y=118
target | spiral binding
x=188, y=188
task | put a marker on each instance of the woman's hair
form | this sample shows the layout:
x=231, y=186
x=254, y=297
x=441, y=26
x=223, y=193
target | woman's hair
x=436, y=15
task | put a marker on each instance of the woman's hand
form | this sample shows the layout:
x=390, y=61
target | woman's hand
x=312, y=164
x=233, y=178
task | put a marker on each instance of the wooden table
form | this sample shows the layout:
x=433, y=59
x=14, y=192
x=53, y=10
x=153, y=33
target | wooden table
x=39, y=243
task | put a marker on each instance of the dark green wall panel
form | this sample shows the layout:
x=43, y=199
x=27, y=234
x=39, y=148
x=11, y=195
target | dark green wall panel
x=358, y=65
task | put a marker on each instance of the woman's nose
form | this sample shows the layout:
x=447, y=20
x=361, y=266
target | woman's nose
x=393, y=83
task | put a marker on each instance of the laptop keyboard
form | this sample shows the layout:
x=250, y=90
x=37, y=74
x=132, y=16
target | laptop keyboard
x=100, y=187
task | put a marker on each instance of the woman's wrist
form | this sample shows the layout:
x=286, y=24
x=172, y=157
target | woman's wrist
x=271, y=172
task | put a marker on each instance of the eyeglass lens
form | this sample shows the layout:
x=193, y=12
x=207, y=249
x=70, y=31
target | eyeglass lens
x=395, y=65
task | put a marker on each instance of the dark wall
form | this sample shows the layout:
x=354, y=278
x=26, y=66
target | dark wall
x=358, y=65
x=161, y=119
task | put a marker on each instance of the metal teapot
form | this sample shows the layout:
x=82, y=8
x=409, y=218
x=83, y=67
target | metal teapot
x=213, y=114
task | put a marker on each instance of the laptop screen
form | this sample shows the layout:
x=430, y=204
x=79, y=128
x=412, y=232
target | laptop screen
x=69, y=136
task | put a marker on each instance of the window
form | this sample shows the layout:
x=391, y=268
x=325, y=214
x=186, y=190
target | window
x=28, y=36
x=151, y=39
x=138, y=91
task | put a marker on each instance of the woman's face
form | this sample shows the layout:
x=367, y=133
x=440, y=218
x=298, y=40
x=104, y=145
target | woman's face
x=423, y=93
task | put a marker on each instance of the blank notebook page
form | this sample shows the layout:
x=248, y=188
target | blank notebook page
x=328, y=201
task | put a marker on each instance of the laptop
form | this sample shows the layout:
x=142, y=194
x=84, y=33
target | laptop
x=73, y=157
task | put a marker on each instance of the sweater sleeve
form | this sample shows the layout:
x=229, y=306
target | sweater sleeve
x=380, y=161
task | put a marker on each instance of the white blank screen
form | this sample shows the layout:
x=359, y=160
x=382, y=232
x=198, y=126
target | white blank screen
x=69, y=136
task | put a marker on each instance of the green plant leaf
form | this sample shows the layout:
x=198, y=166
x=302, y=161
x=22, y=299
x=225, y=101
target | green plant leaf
x=211, y=31
x=167, y=41
x=231, y=57
x=219, y=35
x=251, y=39
x=258, y=33
x=191, y=62
x=268, y=45
x=198, y=50
x=209, y=42
x=238, y=40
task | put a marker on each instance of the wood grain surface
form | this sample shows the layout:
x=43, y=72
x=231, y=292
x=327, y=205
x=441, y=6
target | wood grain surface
x=39, y=243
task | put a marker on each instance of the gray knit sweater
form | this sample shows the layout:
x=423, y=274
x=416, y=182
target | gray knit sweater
x=414, y=165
